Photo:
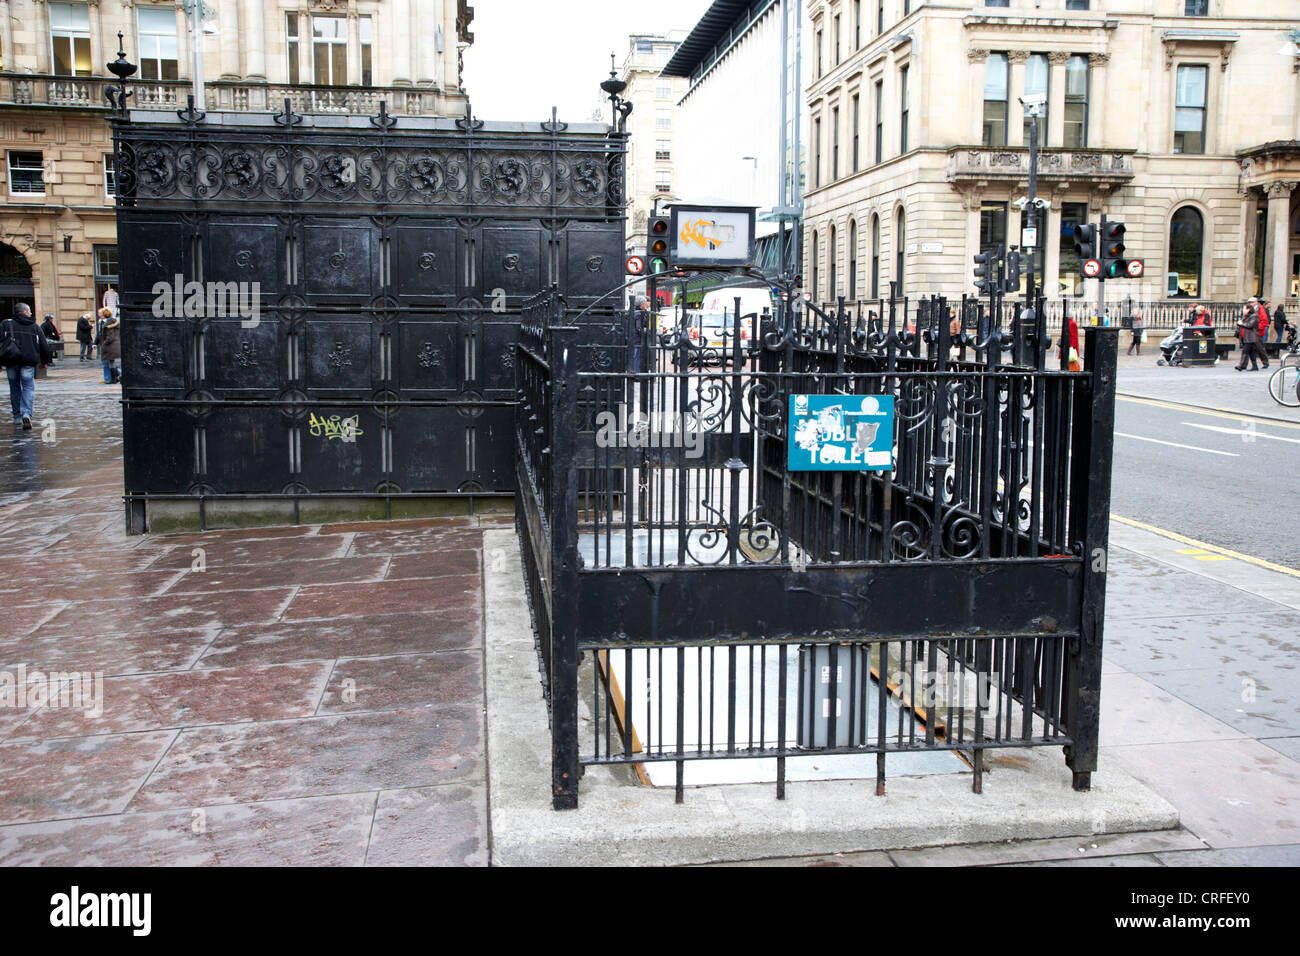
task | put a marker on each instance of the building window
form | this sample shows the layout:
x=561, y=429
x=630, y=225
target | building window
x=26, y=173
x=1072, y=214
x=875, y=257
x=907, y=7
x=816, y=291
x=832, y=255
x=1076, y=4
x=157, y=43
x=820, y=71
x=1186, y=240
x=817, y=152
x=110, y=176
x=880, y=17
x=329, y=47
x=1197, y=8
x=1076, y=102
x=993, y=225
x=835, y=144
x=900, y=236
x=853, y=260
x=857, y=24
x=70, y=38
x=880, y=121
x=856, y=117
x=663, y=184
x=291, y=44
x=1036, y=84
x=835, y=37
x=663, y=121
x=663, y=91
x=645, y=46
x=1189, y=109
x=995, y=100
x=367, y=31
x=997, y=3
x=903, y=108
x=663, y=149
x=105, y=271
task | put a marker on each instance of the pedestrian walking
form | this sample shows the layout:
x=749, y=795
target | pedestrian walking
x=22, y=348
x=1248, y=334
x=110, y=350
x=1265, y=320
x=50, y=329
x=1139, y=333
x=638, y=330
x=86, y=336
x=1279, y=321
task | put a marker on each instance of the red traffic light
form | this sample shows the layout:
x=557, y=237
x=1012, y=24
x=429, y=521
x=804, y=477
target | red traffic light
x=658, y=227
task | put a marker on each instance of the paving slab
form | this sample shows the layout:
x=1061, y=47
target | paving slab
x=1286, y=855
x=1229, y=792
x=621, y=823
x=1137, y=711
x=401, y=683
x=430, y=826
x=1031, y=851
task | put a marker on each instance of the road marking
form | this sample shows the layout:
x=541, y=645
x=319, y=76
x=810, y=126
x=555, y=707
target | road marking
x=1242, y=433
x=1210, y=412
x=1174, y=444
x=1183, y=539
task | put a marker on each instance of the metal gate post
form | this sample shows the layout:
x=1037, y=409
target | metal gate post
x=1090, y=486
x=563, y=508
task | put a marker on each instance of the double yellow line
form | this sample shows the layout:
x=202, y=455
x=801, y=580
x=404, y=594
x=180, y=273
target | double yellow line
x=1203, y=551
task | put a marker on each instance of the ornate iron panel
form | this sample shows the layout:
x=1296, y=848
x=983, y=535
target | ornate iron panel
x=340, y=304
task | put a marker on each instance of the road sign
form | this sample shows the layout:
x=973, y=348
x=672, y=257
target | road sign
x=1135, y=268
x=1091, y=268
x=635, y=265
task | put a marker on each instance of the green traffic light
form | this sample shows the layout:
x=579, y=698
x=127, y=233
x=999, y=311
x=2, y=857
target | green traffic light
x=658, y=265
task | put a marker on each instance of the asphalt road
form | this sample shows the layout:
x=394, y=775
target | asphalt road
x=1225, y=479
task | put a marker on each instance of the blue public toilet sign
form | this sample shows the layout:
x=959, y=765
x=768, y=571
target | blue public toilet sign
x=841, y=433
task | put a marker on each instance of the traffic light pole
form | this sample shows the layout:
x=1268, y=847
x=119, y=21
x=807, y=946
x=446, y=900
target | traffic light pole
x=1101, y=276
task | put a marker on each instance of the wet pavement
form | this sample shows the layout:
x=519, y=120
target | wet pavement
x=296, y=696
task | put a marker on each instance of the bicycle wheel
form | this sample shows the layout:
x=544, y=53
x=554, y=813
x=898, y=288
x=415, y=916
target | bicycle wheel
x=1284, y=386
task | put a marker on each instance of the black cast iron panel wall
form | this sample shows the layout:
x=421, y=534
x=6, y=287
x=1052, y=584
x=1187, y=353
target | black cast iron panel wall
x=358, y=296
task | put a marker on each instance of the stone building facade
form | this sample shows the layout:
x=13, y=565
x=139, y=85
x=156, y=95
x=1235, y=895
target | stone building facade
x=1180, y=118
x=58, y=247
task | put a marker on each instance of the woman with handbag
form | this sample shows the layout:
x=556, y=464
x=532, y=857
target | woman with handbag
x=110, y=350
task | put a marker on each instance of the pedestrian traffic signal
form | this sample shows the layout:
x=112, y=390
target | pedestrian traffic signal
x=657, y=245
x=1113, y=263
x=1016, y=267
x=985, y=263
x=1085, y=245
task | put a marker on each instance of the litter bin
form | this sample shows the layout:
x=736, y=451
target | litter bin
x=1198, y=346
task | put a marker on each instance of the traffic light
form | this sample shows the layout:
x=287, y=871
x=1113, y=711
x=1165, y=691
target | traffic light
x=985, y=264
x=1113, y=263
x=1016, y=267
x=657, y=245
x=1085, y=244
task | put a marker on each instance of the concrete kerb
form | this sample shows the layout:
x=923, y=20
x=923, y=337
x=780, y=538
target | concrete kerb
x=1027, y=793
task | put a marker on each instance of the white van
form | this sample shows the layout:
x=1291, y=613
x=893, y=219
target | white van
x=752, y=301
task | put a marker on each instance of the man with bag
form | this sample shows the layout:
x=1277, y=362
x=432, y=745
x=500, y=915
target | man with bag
x=22, y=347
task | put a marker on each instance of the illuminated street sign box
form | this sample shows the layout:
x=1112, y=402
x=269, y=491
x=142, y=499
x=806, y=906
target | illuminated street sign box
x=712, y=236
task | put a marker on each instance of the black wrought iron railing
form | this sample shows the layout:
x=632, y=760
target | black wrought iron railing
x=954, y=593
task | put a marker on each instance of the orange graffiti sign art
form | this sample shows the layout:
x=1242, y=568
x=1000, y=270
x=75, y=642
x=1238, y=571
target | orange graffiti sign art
x=706, y=233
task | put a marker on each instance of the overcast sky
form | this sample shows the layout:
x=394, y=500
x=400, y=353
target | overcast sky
x=530, y=55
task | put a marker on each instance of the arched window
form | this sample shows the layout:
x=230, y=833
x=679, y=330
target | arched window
x=875, y=257
x=900, y=241
x=832, y=256
x=816, y=289
x=853, y=260
x=13, y=264
x=1186, y=243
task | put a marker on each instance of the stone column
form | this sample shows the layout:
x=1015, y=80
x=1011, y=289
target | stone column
x=44, y=56
x=977, y=58
x=1097, y=99
x=1056, y=98
x=252, y=28
x=97, y=61
x=229, y=37
x=428, y=14
x=399, y=12
x=354, y=45
x=1246, y=272
x=1015, y=90
x=1278, y=244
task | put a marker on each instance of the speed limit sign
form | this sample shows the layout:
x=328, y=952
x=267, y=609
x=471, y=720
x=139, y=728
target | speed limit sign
x=1135, y=268
x=1091, y=268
